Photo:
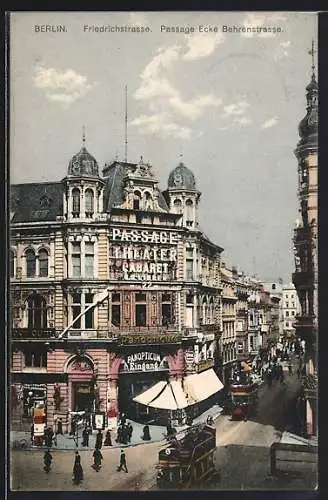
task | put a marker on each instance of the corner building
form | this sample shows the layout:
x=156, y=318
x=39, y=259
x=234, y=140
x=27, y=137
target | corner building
x=113, y=288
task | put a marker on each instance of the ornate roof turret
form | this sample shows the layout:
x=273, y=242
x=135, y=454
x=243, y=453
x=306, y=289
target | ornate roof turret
x=83, y=163
x=182, y=178
x=308, y=127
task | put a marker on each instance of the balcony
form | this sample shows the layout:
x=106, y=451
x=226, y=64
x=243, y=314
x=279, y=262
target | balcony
x=34, y=333
x=303, y=278
x=143, y=335
x=302, y=235
x=305, y=321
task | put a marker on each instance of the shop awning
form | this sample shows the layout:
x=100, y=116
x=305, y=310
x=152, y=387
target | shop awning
x=200, y=386
x=164, y=395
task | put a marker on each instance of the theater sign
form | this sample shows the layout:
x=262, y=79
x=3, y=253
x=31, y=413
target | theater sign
x=143, y=255
x=144, y=362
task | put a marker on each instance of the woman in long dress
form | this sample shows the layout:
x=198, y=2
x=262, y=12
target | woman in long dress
x=77, y=469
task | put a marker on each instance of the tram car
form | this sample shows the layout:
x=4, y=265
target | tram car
x=187, y=460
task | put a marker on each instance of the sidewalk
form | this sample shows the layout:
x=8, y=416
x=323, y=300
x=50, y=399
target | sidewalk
x=157, y=433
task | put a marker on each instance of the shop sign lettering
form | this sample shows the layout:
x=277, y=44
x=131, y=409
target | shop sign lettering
x=144, y=236
x=143, y=362
x=149, y=339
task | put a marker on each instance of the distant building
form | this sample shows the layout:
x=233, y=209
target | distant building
x=290, y=308
x=228, y=337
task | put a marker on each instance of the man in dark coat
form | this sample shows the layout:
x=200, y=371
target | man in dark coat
x=122, y=462
x=108, y=439
x=129, y=432
x=99, y=439
x=47, y=459
x=85, y=436
x=97, y=458
x=77, y=469
x=59, y=426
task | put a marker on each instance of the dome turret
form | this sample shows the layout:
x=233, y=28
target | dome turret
x=83, y=163
x=182, y=178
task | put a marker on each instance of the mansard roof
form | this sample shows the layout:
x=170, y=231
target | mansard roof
x=36, y=201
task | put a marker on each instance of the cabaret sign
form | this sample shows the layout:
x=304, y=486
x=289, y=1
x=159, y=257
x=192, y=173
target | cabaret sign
x=143, y=362
x=144, y=236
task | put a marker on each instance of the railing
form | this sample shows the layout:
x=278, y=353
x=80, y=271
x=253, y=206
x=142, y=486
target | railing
x=34, y=333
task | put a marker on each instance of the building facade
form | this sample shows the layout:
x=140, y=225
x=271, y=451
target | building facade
x=305, y=277
x=113, y=287
x=228, y=337
x=290, y=308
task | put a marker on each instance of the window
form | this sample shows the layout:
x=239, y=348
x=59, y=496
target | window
x=36, y=312
x=177, y=205
x=166, y=309
x=293, y=313
x=287, y=304
x=141, y=309
x=76, y=202
x=30, y=263
x=136, y=200
x=88, y=317
x=292, y=296
x=12, y=264
x=89, y=260
x=76, y=259
x=36, y=358
x=89, y=203
x=116, y=309
x=273, y=286
x=190, y=299
x=287, y=324
x=286, y=295
x=76, y=309
x=190, y=263
x=43, y=263
x=287, y=314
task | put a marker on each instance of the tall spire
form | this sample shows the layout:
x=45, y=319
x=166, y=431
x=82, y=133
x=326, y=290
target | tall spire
x=126, y=125
x=83, y=135
x=312, y=52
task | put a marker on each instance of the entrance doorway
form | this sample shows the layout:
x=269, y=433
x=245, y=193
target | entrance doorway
x=82, y=396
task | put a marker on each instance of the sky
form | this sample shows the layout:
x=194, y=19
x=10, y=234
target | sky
x=227, y=103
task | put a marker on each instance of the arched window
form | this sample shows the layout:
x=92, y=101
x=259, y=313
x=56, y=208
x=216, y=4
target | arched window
x=148, y=201
x=89, y=202
x=43, y=263
x=12, y=264
x=76, y=202
x=177, y=205
x=36, y=312
x=30, y=263
x=136, y=200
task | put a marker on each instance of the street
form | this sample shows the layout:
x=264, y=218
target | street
x=242, y=455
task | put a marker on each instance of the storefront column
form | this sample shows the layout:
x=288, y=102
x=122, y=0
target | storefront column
x=112, y=402
x=176, y=364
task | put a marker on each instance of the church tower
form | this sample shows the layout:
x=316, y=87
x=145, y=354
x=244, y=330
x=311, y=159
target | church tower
x=182, y=196
x=305, y=277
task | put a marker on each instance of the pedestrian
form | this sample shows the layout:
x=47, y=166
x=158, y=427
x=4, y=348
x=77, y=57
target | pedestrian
x=123, y=419
x=122, y=462
x=85, y=436
x=50, y=436
x=129, y=431
x=97, y=458
x=99, y=439
x=146, y=433
x=108, y=439
x=290, y=369
x=119, y=434
x=73, y=427
x=59, y=426
x=47, y=459
x=32, y=433
x=77, y=469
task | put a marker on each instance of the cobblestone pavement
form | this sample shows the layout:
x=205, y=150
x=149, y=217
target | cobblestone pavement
x=242, y=456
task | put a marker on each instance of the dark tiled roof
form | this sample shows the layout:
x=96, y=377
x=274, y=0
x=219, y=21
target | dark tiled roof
x=113, y=192
x=36, y=201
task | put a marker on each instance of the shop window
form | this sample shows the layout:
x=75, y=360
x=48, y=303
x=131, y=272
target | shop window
x=36, y=358
x=141, y=314
x=36, y=312
x=43, y=263
x=76, y=309
x=12, y=264
x=30, y=263
x=89, y=260
x=166, y=309
x=76, y=202
x=88, y=317
x=89, y=203
x=76, y=260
